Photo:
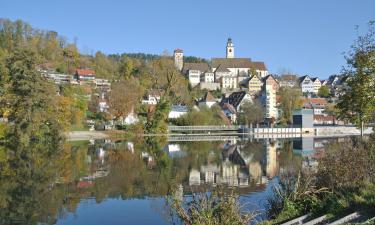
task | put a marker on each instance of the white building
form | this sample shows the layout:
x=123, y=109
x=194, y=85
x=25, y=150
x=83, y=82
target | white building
x=177, y=111
x=317, y=84
x=178, y=56
x=306, y=84
x=270, y=102
x=208, y=100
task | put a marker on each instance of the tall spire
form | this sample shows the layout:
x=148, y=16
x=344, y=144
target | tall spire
x=230, y=48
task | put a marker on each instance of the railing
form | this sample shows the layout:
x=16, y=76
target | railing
x=204, y=128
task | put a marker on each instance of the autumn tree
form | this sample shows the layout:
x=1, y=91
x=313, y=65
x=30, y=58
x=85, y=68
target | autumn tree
x=251, y=112
x=290, y=100
x=124, y=97
x=357, y=103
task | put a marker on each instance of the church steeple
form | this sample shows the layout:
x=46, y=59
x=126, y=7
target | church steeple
x=230, y=48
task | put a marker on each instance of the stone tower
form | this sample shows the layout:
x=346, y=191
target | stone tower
x=230, y=48
x=178, y=56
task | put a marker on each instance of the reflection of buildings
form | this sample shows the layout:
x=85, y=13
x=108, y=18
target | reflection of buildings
x=239, y=168
x=311, y=149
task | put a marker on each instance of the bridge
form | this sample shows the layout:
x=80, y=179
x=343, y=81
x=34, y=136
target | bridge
x=204, y=128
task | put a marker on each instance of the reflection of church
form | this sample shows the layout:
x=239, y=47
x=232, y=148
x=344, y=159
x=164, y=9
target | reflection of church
x=238, y=169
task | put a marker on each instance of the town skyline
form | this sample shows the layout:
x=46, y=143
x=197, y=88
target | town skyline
x=294, y=41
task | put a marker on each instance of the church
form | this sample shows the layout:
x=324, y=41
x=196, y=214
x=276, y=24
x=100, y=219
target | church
x=221, y=73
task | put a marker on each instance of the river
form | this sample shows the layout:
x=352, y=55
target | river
x=127, y=182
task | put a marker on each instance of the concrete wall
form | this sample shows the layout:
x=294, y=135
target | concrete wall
x=326, y=131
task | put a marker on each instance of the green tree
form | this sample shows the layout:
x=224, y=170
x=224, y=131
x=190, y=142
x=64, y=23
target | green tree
x=323, y=92
x=357, y=103
x=290, y=99
x=31, y=103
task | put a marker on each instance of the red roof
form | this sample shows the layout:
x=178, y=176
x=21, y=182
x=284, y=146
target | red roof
x=85, y=72
x=84, y=184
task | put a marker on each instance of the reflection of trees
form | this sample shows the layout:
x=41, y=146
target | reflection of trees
x=288, y=161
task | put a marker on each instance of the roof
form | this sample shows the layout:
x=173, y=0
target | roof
x=301, y=79
x=269, y=76
x=234, y=99
x=229, y=107
x=195, y=66
x=222, y=69
x=314, y=79
x=237, y=63
x=254, y=76
x=178, y=50
x=85, y=72
x=208, y=97
x=323, y=118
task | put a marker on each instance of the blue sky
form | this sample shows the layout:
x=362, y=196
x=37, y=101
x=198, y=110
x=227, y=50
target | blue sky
x=305, y=37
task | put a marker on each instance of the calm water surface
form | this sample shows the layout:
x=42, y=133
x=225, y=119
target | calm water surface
x=123, y=182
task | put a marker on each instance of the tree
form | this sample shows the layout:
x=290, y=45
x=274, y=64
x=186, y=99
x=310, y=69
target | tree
x=332, y=110
x=31, y=103
x=251, y=112
x=290, y=100
x=323, y=92
x=124, y=97
x=357, y=102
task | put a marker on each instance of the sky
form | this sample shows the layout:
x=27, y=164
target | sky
x=299, y=36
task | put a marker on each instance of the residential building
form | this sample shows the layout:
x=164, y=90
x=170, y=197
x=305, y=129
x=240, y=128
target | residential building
x=255, y=85
x=177, y=111
x=84, y=75
x=269, y=101
x=317, y=84
x=208, y=100
x=237, y=99
x=318, y=105
x=306, y=84
x=194, y=71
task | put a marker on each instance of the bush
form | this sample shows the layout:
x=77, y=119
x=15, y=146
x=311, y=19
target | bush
x=215, y=208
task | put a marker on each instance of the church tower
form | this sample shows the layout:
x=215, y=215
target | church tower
x=230, y=49
x=178, y=56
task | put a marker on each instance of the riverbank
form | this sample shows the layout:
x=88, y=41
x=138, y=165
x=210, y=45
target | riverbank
x=86, y=135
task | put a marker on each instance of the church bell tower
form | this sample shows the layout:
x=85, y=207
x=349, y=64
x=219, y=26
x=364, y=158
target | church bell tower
x=230, y=48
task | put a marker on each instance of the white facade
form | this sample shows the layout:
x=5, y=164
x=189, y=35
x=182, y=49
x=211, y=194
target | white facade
x=228, y=82
x=208, y=77
x=151, y=100
x=194, y=77
x=307, y=85
x=178, y=56
x=317, y=85
x=270, y=102
x=230, y=49
x=177, y=111
x=131, y=119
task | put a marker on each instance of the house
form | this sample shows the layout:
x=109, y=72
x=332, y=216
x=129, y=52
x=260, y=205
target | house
x=323, y=82
x=103, y=106
x=177, y=111
x=208, y=100
x=237, y=99
x=318, y=105
x=268, y=97
x=255, y=84
x=306, y=84
x=230, y=112
x=84, y=74
x=269, y=102
x=194, y=71
x=131, y=118
x=152, y=99
x=317, y=84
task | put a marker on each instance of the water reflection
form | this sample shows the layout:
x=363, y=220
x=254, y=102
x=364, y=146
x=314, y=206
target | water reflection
x=141, y=173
